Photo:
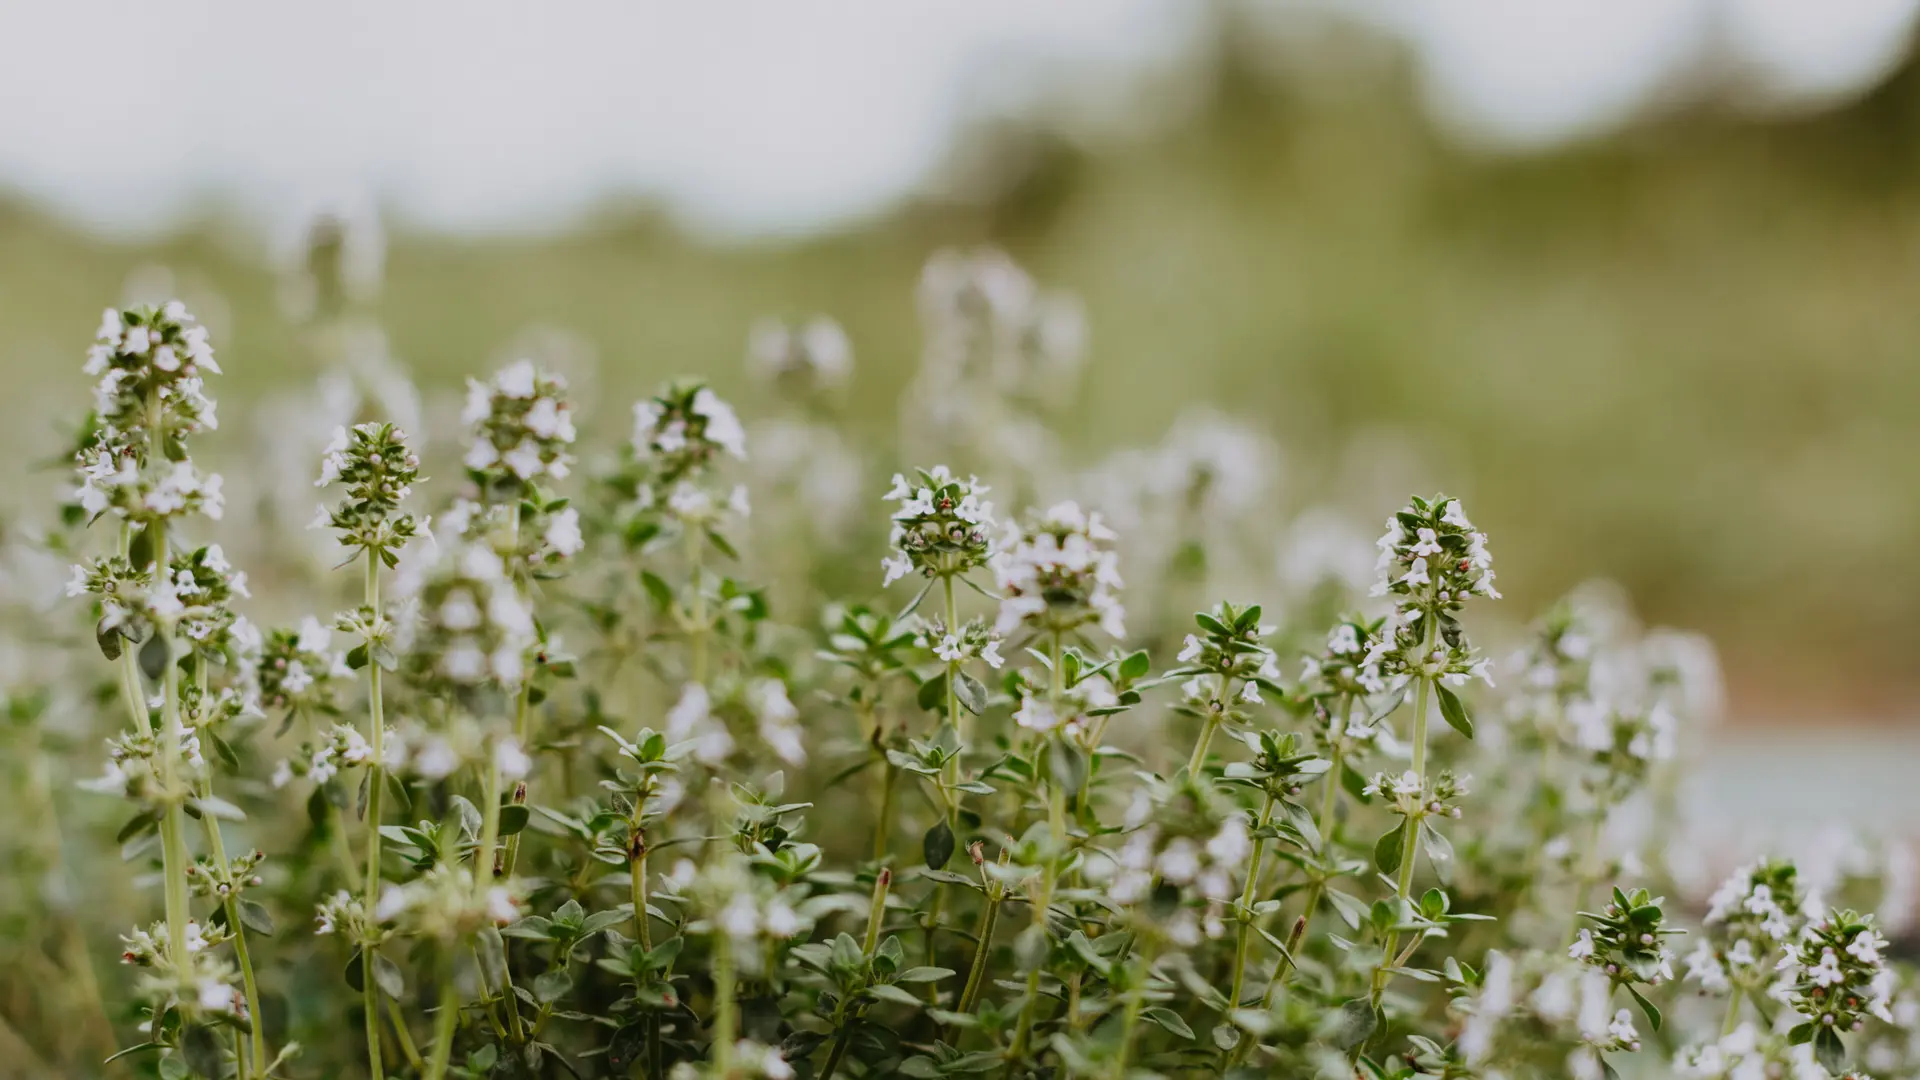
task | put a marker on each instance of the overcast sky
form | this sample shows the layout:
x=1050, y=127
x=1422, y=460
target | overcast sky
x=743, y=117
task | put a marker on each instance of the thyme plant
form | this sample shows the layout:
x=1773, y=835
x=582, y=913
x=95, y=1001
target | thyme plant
x=561, y=793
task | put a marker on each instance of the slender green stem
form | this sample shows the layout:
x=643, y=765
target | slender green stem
x=1410, y=836
x=376, y=785
x=883, y=827
x=407, y=1047
x=1136, y=1000
x=1049, y=878
x=445, y=1022
x=1207, y=729
x=249, y=986
x=976, y=975
x=697, y=629
x=1733, y=1011
x=1245, y=912
x=724, y=1022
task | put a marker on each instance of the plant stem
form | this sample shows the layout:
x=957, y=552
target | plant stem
x=444, y=1023
x=217, y=846
x=1246, y=907
x=1410, y=836
x=1057, y=827
x=376, y=784
x=723, y=1017
x=407, y=1047
x=697, y=631
x=1733, y=1012
x=1136, y=999
x=976, y=975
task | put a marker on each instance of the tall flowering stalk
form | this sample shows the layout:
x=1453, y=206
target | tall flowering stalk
x=1057, y=575
x=134, y=465
x=1431, y=561
x=940, y=533
x=378, y=471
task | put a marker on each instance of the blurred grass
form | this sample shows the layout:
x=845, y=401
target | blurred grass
x=1682, y=356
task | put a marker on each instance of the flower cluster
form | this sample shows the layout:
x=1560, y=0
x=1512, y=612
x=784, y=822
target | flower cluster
x=682, y=430
x=1627, y=940
x=474, y=626
x=300, y=671
x=940, y=528
x=1057, y=572
x=150, y=396
x=446, y=903
x=378, y=470
x=814, y=355
x=522, y=429
x=1837, y=977
x=1750, y=918
x=1747, y=1052
x=204, y=984
x=987, y=319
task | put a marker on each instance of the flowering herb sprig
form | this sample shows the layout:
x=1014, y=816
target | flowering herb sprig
x=1837, y=981
x=1627, y=942
x=135, y=464
x=1750, y=918
x=1227, y=667
x=1431, y=561
x=378, y=470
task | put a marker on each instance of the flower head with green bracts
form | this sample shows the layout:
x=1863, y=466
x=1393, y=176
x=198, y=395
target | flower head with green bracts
x=941, y=528
x=1837, y=979
x=374, y=464
x=1057, y=572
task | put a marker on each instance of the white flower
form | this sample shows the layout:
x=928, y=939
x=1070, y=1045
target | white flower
x=1866, y=947
x=1582, y=948
x=516, y=380
x=1622, y=1028
x=563, y=533
x=1036, y=715
x=895, y=568
x=502, y=906
x=723, y=427
x=689, y=712
x=512, y=761
x=1189, y=650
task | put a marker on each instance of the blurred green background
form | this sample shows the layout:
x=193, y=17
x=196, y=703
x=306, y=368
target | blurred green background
x=1680, y=353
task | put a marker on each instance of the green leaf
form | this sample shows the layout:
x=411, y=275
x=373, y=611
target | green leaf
x=1350, y=1025
x=551, y=986
x=388, y=977
x=1169, y=1020
x=111, y=643
x=937, y=846
x=1067, y=764
x=924, y=975
x=1387, y=850
x=971, y=693
x=1135, y=666
x=1829, y=1051
x=1455, y=712
x=201, y=1047
x=255, y=917
x=513, y=818
x=1439, y=852
x=137, y=1048
x=1653, y=1014
x=933, y=692
x=889, y=992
